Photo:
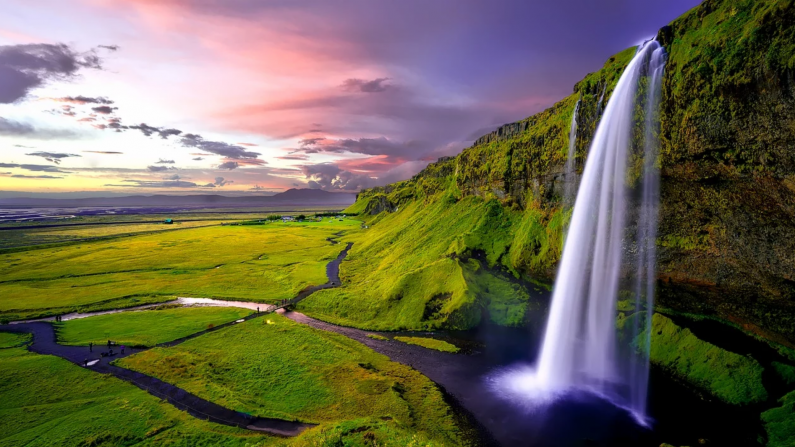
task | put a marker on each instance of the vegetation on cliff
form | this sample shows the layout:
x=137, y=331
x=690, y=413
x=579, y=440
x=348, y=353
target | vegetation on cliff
x=727, y=228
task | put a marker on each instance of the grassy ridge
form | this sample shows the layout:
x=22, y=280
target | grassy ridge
x=429, y=343
x=47, y=401
x=257, y=263
x=275, y=367
x=415, y=269
x=733, y=378
x=147, y=327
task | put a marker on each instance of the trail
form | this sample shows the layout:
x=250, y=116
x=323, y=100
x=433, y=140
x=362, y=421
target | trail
x=44, y=342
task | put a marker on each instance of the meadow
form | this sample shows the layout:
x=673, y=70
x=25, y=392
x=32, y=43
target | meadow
x=274, y=367
x=263, y=263
x=48, y=401
x=145, y=328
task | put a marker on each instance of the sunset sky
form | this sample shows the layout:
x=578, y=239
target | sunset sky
x=250, y=96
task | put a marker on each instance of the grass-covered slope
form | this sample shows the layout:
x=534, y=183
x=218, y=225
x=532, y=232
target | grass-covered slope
x=263, y=263
x=731, y=377
x=416, y=268
x=727, y=222
x=48, y=401
x=274, y=367
x=145, y=328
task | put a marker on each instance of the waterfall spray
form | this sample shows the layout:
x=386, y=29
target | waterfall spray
x=570, y=188
x=580, y=349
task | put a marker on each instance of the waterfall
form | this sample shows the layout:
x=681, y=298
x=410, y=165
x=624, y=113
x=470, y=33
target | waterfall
x=580, y=349
x=570, y=186
x=601, y=100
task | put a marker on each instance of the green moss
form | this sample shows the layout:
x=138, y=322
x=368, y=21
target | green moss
x=430, y=343
x=377, y=337
x=780, y=423
x=731, y=377
x=785, y=372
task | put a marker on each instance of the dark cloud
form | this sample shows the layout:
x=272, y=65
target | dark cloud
x=163, y=132
x=159, y=168
x=103, y=152
x=33, y=176
x=216, y=147
x=361, y=85
x=310, y=141
x=294, y=157
x=53, y=157
x=154, y=184
x=110, y=47
x=105, y=110
x=219, y=182
x=330, y=177
x=24, y=147
x=25, y=67
x=165, y=162
x=34, y=168
x=80, y=100
x=229, y=165
x=198, y=159
x=173, y=177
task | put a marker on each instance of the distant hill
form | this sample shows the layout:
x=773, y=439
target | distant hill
x=295, y=197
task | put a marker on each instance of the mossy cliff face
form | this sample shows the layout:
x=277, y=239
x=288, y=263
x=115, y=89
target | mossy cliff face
x=727, y=230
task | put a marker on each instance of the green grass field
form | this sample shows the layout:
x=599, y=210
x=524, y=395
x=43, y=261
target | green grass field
x=48, y=401
x=255, y=263
x=10, y=340
x=146, y=327
x=429, y=343
x=274, y=367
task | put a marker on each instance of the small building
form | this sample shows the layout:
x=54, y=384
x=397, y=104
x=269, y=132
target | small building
x=168, y=221
x=287, y=218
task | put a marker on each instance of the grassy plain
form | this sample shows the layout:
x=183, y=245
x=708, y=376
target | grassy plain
x=146, y=327
x=40, y=236
x=256, y=263
x=430, y=343
x=275, y=367
x=48, y=401
x=10, y=340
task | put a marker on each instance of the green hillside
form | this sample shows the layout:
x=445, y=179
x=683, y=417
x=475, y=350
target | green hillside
x=461, y=241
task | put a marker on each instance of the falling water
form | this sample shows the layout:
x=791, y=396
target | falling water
x=601, y=100
x=579, y=349
x=647, y=232
x=570, y=189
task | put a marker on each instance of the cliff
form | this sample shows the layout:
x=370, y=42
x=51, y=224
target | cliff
x=727, y=228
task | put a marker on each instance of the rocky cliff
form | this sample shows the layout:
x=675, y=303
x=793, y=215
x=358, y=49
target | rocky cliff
x=727, y=228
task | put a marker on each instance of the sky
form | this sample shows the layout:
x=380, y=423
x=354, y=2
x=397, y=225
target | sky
x=260, y=96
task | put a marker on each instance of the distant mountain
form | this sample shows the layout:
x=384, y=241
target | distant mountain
x=292, y=197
